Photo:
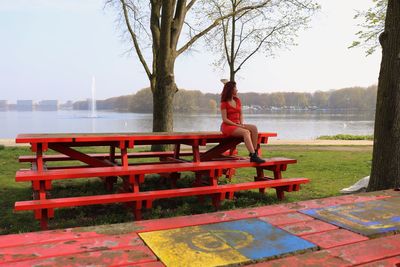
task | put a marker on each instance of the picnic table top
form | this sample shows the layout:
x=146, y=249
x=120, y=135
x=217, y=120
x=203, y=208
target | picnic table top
x=87, y=137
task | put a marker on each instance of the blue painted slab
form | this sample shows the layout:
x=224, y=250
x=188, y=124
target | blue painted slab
x=257, y=239
x=367, y=218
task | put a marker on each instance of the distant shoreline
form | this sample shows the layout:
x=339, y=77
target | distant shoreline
x=272, y=141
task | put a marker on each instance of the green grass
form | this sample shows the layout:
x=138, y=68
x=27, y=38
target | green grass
x=328, y=169
x=346, y=137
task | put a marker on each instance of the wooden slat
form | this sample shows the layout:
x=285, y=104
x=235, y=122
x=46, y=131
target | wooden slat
x=129, y=256
x=71, y=247
x=102, y=156
x=151, y=195
x=92, y=137
x=144, y=169
x=354, y=254
x=334, y=238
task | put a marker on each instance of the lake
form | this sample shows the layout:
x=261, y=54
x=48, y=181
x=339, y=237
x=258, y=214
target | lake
x=288, y=125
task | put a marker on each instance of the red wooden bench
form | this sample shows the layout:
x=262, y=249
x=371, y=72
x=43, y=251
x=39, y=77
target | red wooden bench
x=146, y=199
x=209, y=164
x=134, y=176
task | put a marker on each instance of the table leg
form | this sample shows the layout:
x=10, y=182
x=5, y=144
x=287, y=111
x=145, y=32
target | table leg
x=39, y=157
x=177, y=150
x=213, y=178
x=40, y=188
x=196, y=151
x=135, y=181
x=260, y=177
x=43, y=214
x=124, y=157
x=278, y=175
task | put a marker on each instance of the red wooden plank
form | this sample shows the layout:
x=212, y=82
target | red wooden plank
x=334, y=238
x=201, y=219
x=333, y=201
x=150, y=195
x=131, y=256
x=60, y=157
x=91, y=137
x=369, y=251
x=286, y=218
x=317, y=259
x=308, y=227
x=72, y=153
x=143, y=169
x=69, y=247
x=43, y=236
x=390, y=262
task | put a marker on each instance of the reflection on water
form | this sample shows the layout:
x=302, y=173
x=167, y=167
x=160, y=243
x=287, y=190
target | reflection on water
x=288, y=125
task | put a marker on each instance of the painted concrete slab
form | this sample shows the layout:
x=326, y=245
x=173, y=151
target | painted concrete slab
x=223, y=243
x=367, y=218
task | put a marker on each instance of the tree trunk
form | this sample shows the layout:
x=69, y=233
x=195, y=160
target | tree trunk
x=233, y=36
x=163, y=98
x=385, y=171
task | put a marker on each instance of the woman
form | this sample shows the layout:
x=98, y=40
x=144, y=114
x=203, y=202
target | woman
x=232, y=121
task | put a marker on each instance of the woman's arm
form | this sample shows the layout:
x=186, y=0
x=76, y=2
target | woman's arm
x=228, y=121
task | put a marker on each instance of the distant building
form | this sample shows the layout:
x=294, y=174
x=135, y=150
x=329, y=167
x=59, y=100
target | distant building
x=25, y=105
x=47, y=105
x=67, y=105
x=3, y=105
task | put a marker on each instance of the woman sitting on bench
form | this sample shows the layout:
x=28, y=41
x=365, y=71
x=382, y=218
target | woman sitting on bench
x=232, y=121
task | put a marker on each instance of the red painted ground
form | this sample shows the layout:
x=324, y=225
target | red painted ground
x=119, y=244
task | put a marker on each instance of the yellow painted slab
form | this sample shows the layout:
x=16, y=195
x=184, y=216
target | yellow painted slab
x=192, y=246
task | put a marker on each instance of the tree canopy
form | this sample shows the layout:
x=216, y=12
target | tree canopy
x=372, y=25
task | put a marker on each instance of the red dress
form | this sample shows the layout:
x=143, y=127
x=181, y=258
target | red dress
x=233, y=114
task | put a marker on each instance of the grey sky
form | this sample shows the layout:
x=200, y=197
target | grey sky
x=50, y=49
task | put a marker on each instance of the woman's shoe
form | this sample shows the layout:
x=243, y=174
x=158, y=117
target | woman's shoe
x=255, y=158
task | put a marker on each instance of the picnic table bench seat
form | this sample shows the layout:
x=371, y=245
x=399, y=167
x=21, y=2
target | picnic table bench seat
x=219, y=193
x=57, y=174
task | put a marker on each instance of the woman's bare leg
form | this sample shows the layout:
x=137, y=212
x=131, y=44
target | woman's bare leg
x=246, y=134
x=254, y=134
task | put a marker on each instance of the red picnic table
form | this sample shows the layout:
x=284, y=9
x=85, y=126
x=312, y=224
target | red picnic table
x=217, y=159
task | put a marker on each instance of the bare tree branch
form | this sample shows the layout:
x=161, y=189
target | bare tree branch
x=225, y=30
x=241, y=41
x=216, y=23
x=177, y=23
x=259, y=46
x=191, y=3
x=135, y=41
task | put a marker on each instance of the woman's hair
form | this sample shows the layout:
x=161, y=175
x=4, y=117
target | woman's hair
x=227, y=92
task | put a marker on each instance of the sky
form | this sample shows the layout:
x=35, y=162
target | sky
x=51, y=49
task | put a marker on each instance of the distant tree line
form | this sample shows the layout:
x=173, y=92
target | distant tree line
x=357, y=98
